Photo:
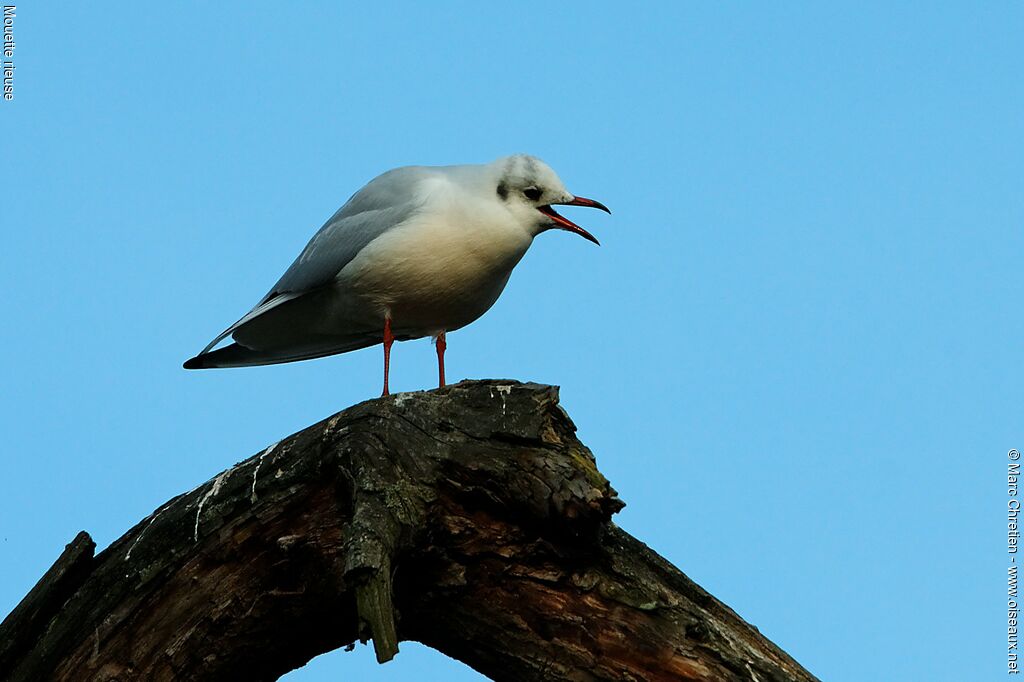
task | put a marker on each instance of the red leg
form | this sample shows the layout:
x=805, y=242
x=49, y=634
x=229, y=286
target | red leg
x=441, y=345
x=389, y=338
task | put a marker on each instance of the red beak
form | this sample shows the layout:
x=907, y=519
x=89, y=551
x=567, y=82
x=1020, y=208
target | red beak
x=566, y=224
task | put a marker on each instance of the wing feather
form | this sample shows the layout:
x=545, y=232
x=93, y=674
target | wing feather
x=261, y=308
x=384, y=203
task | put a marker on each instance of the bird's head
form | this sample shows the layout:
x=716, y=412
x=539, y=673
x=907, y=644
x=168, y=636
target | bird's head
x=530, y=190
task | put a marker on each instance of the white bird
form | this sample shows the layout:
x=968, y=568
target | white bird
x=419, y=251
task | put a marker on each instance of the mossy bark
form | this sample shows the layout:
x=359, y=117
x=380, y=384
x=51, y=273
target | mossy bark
x=470, y=519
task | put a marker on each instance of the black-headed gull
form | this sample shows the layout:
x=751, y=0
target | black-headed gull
x=419, y=251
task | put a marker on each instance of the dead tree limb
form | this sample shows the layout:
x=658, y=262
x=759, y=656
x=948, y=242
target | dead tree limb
x=470, y=519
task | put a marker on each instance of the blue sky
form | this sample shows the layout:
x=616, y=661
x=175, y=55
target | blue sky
x=796, y=354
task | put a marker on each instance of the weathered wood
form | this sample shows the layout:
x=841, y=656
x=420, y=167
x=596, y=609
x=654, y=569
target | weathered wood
x=46, y=599
x=468, y=518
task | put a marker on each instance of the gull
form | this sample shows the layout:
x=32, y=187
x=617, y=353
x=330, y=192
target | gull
x=419, y=251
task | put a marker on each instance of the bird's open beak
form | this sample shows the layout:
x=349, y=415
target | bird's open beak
x=566, y=224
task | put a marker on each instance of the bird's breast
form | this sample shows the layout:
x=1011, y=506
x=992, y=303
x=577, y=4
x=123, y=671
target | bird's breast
x=433, y=275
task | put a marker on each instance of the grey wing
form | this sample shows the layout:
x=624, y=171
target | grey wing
x=385, y=202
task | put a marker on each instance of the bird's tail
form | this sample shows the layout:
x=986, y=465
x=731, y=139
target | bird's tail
x=237, y=355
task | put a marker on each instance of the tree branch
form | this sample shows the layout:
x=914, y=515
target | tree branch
x=470, y=519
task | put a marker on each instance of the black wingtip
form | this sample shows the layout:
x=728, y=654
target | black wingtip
x=195, y=363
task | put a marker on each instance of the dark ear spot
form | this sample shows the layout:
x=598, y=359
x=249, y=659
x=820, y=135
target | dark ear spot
x=503, y=190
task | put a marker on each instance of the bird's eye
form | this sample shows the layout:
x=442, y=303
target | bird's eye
x=532, y=193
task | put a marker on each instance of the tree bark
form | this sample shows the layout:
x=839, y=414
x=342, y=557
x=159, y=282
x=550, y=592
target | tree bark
x=469, y=518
